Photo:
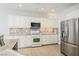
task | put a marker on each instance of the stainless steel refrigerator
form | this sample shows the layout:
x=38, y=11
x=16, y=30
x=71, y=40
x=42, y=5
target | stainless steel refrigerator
x=70, y=37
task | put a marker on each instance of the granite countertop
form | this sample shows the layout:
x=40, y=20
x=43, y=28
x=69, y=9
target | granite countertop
x=9, y=44
x=6, y=50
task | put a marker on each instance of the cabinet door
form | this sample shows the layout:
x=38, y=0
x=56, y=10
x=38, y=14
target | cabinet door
x=49, y=23
x=49, y=39
x=33, y=19
x=43, y=23
x=25, y=41
x=46, y=23
x=21, y=21
x=28, y=41
x=21, y=41
x=12, y=22
x=27, y=22
x=53, y=39
x=44, y=39
x=16, y=21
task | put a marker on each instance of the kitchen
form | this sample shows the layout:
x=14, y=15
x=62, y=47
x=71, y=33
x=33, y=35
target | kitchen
x=35, y=27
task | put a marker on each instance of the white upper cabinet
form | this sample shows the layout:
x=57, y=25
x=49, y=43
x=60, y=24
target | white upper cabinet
x=24, y=21
x=46, y=23
x=18, y=21
x=12, y=22
x=33, y=19
x=21, y=21
x=49, y=22
x=27, y=22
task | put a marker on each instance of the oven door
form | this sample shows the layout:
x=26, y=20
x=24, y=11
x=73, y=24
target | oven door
x=36, y=40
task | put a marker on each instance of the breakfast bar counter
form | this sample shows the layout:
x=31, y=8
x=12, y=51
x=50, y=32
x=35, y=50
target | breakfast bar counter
x=10, y=44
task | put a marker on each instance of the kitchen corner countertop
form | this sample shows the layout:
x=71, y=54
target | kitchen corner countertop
x=7, y=49
x=9, y=44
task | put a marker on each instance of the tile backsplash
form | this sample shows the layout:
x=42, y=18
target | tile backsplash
x=47, y=30
x=27, y=31
x=19, y=31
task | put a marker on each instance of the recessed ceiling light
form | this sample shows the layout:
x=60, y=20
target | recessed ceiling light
x=42, y=8
x=52, y=10
x=20, y=5
x=52, y=15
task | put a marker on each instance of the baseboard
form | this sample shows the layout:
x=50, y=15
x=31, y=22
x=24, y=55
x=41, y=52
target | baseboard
x=40, y=46
x=50, y=44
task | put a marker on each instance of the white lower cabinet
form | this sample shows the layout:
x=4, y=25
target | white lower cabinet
x=27, y=41
x=49, y=39
x=20, y=42
x=24, y=41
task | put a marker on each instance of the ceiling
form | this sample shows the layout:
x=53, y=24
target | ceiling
x=36, y=7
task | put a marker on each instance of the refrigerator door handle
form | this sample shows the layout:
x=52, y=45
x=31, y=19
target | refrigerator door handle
x=67, y=31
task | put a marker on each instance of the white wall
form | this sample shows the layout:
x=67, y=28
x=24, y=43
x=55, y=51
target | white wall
x=3, y=24
x=73, y=14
